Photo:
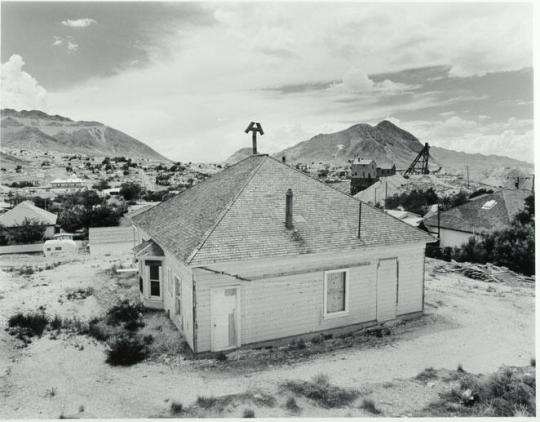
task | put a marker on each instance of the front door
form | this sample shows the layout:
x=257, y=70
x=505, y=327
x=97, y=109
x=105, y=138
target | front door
x=225, y=314
x=387, y=289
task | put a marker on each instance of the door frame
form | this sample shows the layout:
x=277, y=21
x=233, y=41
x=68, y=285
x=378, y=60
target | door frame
x=213, y=290
x=377, y=286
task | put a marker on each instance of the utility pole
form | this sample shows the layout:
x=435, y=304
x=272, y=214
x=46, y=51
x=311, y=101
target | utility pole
x=467, y=177
x=375, y=197
x=385, y=193
x=439, y=222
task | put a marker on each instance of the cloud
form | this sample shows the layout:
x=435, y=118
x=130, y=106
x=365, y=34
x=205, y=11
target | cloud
x=19, y=89
x=71, y=46
x=79, y=23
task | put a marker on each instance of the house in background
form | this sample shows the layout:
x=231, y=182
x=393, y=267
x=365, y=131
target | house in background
x=386, y=169
x=363, y=174
x=27, y=210
x=482, y=214
x=262, y=252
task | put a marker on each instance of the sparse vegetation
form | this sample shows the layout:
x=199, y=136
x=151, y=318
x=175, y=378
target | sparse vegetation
x=176, y=408
x=508, y=392
x=369, y=405
x=292, y=405
x=27, y=325
x=427, y=374
x=248, y=413
x=221, y=357
x=322, y=392
x=126, y=350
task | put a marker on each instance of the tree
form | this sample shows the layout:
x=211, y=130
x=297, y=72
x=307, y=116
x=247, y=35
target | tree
x=101, y=185
x=28, y=231
x=130, y=191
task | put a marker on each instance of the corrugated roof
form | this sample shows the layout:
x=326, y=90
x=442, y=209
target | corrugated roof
x=487, y=212
x=27, y=209
x=239, y=214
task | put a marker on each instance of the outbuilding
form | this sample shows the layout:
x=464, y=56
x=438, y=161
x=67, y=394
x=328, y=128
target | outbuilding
x=261, y=252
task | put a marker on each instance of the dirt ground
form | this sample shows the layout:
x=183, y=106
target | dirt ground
x=477, y=324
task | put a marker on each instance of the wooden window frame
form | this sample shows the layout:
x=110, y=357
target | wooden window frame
x=326, y=314
x=161, y=274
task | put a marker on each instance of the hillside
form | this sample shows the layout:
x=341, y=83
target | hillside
x=239, y=155
x=35, y=129
x=384, y=142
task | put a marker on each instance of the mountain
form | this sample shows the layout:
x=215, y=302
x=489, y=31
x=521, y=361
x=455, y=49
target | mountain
x=34, y=129
x=239, y=155
x=384, y=142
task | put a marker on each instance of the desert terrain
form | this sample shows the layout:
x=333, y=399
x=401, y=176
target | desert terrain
x=469, y=323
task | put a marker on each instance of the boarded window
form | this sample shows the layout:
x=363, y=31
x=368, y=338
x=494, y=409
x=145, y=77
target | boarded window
x=336, y=294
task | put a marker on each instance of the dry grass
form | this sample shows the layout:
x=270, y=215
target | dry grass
x=508, y=392
x=322, y=392
x=369, y=405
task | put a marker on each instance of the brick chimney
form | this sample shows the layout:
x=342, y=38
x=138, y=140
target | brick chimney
x=289, y=209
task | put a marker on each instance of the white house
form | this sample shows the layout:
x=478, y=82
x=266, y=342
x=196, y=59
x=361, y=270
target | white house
x=482, y=214
x=262, y=252
x=27, y=210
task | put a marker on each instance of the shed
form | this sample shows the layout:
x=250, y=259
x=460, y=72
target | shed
x=262, y=252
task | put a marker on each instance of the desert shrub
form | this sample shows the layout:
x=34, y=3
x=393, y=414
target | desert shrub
x=32, y=324
x=301, y=344
x=206, y=402
x=126, y=350
x=176, y=408
x=97, y=330
x=322, y=392
x=56, y=323
x=369, y=405
x=460, y=368
x=248, y=413
x=222, y=357
x=508, y=392
x=427, y=374
x=316, y=340
x=124, y=312
x=479, y=192
x=416, y=201
x=292, y=405
x=28, y=231
x=148, y=339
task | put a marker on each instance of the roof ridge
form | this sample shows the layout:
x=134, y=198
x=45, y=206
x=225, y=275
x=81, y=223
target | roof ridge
x=136, y=216
x=226, y=209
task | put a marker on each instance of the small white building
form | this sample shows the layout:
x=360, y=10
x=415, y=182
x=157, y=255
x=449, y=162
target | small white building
x=73, y=183
x=263, y=253
x=27, y=210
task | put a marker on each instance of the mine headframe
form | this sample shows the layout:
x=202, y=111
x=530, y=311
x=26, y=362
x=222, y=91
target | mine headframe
x=420, y=163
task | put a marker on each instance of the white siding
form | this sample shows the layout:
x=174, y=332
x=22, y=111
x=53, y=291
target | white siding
x=287, y=305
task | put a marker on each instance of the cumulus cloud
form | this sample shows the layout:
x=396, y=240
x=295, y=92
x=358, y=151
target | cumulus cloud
x=19, y=89
x=79, y=23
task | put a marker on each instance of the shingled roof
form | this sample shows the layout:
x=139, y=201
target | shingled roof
x=480, y=214
x=239, y=214
x=27, y=209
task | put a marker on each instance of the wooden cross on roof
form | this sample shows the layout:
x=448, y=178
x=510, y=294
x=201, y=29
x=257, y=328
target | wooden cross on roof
x=254, y=128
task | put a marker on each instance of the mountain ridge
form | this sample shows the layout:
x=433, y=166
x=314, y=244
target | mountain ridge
x=35, y=129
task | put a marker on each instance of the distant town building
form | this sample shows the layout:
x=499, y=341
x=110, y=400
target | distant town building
x=365, y=172
x=386, y=169
x=73, y=183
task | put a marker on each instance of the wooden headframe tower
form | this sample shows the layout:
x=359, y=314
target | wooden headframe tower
x=420, y=163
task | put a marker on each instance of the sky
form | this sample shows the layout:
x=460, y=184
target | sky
x=187, y=78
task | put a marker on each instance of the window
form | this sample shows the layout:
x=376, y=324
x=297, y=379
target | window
x=141, y=284
x=336, y=293
x=58, y=248
x=155, y=282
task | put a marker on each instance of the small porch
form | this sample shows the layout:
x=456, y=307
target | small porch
x=150, y=258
